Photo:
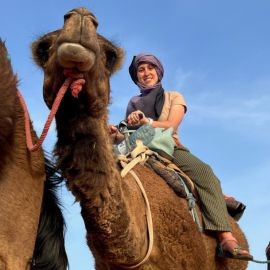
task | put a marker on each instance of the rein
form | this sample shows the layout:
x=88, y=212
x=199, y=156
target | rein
x=75, y=81
x=139, y=155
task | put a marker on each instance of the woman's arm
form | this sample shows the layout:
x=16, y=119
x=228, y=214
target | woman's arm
x=176, y=115
x=175, y=118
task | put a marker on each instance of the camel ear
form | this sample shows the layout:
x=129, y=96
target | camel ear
x=114, y=59
x=40, y=48
x=114, y=55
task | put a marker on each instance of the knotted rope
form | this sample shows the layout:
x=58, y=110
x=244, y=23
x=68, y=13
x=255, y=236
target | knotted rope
x=75, y=81
x=191, y=203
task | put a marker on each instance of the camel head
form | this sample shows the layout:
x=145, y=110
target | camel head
x=78, y=49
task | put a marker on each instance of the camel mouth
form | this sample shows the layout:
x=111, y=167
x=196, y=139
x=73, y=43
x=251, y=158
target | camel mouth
x=75, y=56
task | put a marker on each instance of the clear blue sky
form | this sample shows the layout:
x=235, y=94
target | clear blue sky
x=216, y=53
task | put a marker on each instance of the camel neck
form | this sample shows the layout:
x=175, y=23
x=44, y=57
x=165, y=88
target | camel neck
x=94, y=179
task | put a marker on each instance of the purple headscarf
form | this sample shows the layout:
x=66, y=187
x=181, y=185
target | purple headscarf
x=145, y=58
x=151, y=99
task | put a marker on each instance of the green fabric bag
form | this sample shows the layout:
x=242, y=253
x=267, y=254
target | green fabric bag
x=159, y=140
x=163, y=142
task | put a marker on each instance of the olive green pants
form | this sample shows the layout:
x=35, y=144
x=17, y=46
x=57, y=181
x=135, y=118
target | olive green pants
x=214, y=210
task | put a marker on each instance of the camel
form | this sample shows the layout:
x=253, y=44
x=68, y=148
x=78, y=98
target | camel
x=267, y=252
x=31, y=222
x=113, y=207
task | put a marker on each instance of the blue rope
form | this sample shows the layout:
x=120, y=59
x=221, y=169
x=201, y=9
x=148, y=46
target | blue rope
x=256, y=261
x=191, y=203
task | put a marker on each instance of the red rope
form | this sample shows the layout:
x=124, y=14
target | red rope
x=76, y=86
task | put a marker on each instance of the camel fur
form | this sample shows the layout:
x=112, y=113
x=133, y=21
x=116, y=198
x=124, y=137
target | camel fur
x=24, y=198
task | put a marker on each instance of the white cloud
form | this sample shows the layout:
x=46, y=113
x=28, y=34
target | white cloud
x=233, y=105
x=182, y=77
x=243, y=111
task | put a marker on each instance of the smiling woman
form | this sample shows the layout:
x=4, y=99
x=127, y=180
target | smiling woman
x=167, y=110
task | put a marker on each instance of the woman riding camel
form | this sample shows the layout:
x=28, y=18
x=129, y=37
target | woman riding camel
x=162, y=109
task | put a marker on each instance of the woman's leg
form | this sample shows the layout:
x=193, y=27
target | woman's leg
x=215, y=214
x=214, y=210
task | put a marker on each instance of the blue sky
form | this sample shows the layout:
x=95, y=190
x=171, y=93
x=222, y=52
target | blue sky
x=216, y=53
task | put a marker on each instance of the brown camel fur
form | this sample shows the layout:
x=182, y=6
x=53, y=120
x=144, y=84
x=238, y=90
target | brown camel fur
x=113, y=208
x=267, y=252
x=22, y=176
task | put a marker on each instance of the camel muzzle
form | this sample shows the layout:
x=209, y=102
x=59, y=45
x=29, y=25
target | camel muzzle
x=75, y=56
x=79, y=29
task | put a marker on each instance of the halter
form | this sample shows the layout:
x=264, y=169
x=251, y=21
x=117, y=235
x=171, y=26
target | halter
x=75, y=82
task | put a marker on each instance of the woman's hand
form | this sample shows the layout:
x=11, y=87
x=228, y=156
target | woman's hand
x=115, y=135
x=112, y=130
x=137, y=118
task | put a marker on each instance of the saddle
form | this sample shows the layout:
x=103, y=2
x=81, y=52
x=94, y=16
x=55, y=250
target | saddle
x=160, y=141
x=170, y=173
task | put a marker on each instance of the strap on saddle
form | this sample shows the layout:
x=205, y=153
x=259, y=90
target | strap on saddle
x=166, y=169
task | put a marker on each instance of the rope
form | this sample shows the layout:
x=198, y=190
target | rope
x=191, y=204
x=139, y=155
x=149, y=224
x=75, y=82
x=256, y=261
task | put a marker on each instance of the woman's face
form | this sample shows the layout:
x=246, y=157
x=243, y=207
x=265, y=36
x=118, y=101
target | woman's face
x=147, y=74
